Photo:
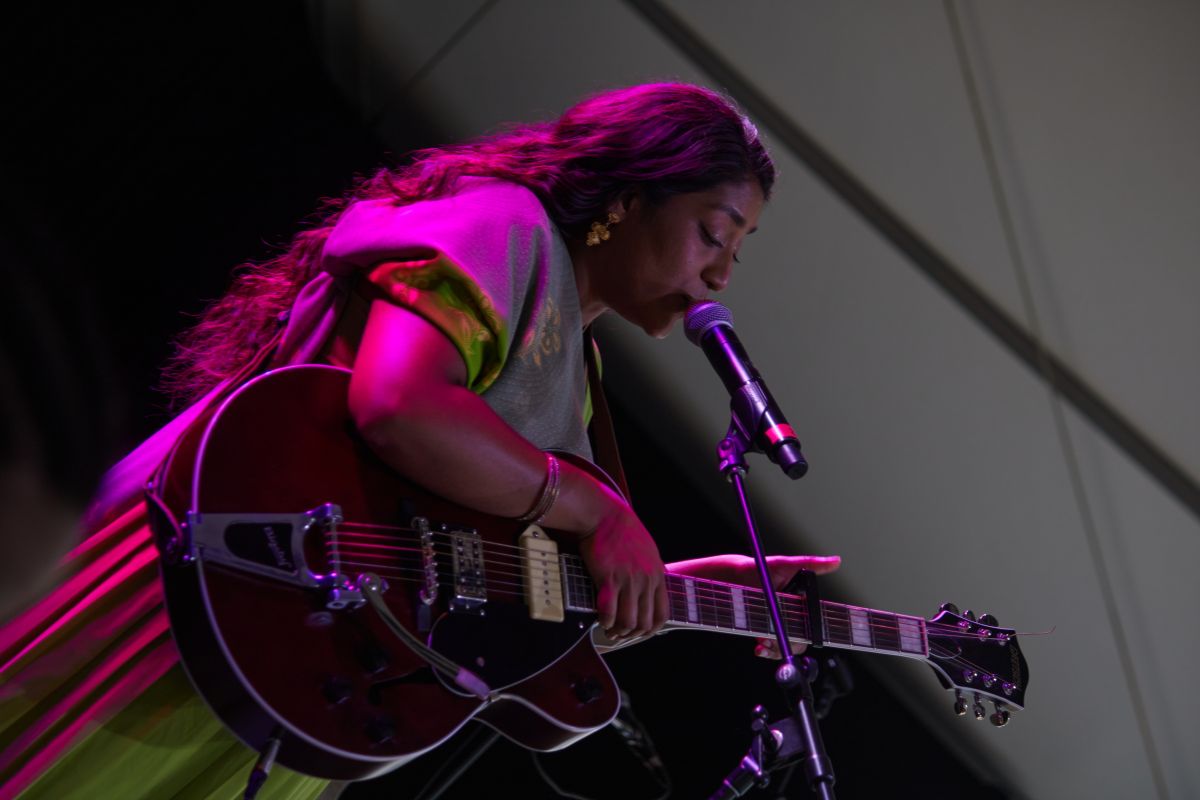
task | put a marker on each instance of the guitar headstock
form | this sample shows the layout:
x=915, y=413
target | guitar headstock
x=978, y=660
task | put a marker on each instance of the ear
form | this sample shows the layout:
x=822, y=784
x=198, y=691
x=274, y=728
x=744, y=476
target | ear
x=629, y=201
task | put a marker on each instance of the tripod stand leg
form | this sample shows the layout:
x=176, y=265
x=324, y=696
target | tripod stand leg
x=467, y=753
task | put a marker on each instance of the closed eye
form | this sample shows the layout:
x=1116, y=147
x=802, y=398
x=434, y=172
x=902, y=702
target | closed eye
x=713, y=241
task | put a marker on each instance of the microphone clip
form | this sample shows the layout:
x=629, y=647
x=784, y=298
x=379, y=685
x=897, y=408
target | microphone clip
x=731, y=452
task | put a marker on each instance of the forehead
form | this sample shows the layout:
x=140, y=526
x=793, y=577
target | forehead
x=740, y=202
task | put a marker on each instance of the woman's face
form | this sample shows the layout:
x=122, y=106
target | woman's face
x=661, y=259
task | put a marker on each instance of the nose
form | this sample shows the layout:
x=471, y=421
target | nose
x=716, y=276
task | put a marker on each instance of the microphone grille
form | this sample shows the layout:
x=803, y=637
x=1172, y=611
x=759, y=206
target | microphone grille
x=704, y=315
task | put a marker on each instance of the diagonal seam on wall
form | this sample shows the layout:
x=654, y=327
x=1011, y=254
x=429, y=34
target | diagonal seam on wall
x=926, y=258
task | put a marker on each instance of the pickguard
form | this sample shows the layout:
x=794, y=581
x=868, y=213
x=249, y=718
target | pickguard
x=504, y=646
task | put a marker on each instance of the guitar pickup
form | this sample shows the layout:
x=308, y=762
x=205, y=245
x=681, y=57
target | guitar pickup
x=543, y=577
x=470, y=587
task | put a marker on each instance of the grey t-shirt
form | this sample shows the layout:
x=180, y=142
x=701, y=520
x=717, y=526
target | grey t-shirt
x=491, y=271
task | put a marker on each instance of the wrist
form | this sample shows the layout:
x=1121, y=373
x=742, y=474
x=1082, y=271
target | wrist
x=584, y=503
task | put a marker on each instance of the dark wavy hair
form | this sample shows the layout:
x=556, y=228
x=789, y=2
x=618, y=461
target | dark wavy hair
x=661, y=139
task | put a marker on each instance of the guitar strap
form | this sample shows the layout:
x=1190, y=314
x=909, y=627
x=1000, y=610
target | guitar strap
x=604, y=438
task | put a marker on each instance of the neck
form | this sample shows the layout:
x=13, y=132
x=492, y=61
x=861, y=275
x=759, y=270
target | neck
x=590, y=306
x=699, y=603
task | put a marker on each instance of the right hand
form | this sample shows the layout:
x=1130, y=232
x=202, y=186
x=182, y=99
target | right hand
x=623, y=560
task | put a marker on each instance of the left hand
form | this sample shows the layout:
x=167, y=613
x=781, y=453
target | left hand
x=742, y=570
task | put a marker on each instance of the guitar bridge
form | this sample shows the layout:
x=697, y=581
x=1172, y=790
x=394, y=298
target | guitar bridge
x=470, y=588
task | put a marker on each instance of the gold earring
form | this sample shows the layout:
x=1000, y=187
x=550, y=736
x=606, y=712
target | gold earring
x=599, y=232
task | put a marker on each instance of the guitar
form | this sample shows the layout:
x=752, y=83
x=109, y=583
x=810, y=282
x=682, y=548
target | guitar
x=323, y=602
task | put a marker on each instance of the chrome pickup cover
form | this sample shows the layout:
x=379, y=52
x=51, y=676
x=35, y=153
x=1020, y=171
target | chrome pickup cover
x=470, y=589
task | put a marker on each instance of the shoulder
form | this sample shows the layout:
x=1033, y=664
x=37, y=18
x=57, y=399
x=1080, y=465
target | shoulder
x=483, y=217
x=501, y=201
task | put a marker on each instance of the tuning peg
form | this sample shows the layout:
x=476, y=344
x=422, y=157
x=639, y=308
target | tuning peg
x=1000, y=718
x=977, y=707
x=960, y=703
x=988, y=619
x=953, y=609
x=969, y=614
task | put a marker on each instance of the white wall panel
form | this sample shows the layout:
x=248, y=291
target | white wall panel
x=938, y=471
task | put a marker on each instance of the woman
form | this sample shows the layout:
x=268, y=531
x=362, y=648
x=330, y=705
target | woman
x=458, y=290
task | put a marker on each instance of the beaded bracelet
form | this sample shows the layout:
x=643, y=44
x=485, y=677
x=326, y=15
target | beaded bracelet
x=548, y=495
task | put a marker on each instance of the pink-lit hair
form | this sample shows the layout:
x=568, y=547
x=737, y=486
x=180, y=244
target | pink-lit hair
x=660, y=139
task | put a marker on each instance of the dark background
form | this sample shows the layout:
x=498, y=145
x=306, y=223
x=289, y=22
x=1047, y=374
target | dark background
x=150, y=151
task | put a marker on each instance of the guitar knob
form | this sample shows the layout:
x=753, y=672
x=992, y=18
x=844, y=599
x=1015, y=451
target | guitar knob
x=960, y=703
x=988, y=619
x=381, y=729
x=977, y=707
x=969, y=614
x=588, y=690
x=337, y=690
x=1008, y=688
x=373, y=658
x=1000, y=718
x=953, y=609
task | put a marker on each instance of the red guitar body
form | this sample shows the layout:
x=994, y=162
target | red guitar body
x=269, y=653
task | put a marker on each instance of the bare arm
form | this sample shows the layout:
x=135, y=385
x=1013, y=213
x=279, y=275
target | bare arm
x=409, y=399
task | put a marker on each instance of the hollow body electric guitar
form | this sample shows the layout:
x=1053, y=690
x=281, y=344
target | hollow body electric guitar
x=321, y=601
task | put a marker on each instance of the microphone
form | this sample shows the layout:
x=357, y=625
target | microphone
x=709, y=326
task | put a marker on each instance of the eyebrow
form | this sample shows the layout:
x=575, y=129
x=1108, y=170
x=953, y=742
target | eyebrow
x=735, y=215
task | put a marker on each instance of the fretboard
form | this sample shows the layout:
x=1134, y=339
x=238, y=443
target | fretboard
x=726, y=608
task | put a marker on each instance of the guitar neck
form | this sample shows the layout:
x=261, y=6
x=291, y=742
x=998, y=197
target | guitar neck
x=703, y=604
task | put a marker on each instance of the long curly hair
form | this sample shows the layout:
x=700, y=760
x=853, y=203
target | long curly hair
x=661, y=139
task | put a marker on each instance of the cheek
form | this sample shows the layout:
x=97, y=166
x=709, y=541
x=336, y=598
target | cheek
x=671, y=262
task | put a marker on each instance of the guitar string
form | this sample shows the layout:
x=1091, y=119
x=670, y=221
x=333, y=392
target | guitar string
x=936, y=650
x=793, y=615
x=834, y=626
x=949, y=630
x=702, y=595
x=718, y=602
x=757, y=615
x=574, y=570
x=522, y=551
x=706, y=604
x=753, y=596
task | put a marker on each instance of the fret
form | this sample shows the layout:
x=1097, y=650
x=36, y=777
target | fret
x=884, y=631
x=757, y=615
x=795, y=615
x=860, y=627
x=577, y=585
x=738, y=602
x=676, y=599
x=709, y=613
x=723, y=602
x=837, y=624
x=912, y=634
x=693, y=609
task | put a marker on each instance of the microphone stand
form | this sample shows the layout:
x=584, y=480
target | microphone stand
x=798, y=736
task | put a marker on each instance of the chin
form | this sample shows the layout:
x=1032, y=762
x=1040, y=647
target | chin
x=660, y=330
